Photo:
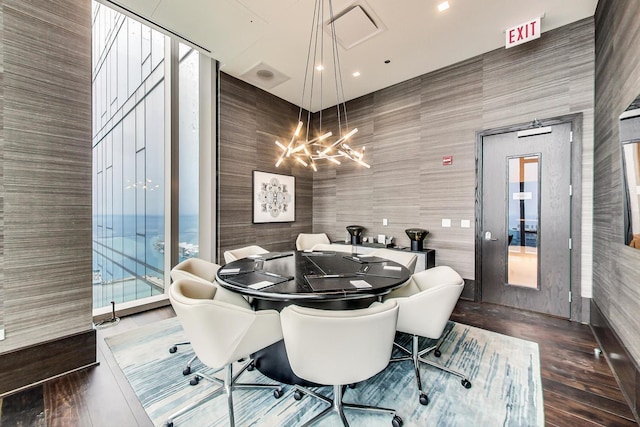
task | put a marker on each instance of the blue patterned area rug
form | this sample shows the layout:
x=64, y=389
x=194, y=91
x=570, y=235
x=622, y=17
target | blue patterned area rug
x=504, y=371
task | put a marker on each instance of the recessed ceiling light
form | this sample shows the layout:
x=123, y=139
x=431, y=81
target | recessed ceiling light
x=356, y=74
x=319, y=67
x=443, y=6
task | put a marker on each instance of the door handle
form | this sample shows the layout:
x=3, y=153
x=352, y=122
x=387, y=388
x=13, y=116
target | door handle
x=487, y=236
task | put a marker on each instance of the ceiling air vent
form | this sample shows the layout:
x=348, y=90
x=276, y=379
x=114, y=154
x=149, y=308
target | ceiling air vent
x=264, y=76
x=354, y=25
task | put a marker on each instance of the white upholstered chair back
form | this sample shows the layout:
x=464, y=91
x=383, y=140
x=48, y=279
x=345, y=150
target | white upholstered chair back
x=306, y=241
x=235, y=254
x=431, y=296
x=339, y=346
x=205, y=271
x=408, y=259
x=221, y=331
x=196, y=269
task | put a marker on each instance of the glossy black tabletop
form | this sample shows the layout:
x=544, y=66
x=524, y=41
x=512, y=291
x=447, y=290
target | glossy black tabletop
x=314, y=276
x=328, y=280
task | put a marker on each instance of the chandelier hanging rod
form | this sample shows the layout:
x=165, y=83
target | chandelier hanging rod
x=298, y=148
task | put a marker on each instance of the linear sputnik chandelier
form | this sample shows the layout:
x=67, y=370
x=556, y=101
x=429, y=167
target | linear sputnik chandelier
x=308, y=149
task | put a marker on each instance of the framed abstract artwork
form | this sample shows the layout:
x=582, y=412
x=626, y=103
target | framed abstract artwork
x=274, y=197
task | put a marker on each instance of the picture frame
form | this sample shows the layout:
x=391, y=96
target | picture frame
x=274, y=197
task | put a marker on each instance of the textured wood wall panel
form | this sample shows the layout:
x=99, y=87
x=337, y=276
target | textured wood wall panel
x=450, y=119
x=250, y=121
x=417, y=122
x=616, y=288
x=396, y=140
x=46, y=163
x=2, y=171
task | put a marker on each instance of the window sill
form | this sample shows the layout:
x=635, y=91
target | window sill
x=131, y=307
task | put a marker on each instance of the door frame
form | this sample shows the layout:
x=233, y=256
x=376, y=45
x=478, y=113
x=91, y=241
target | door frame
x=576, y=204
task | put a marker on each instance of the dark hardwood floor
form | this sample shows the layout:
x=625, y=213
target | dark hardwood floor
x=579, y=388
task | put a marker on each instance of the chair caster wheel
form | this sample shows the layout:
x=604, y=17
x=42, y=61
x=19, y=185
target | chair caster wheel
x=186, y=371
x=298, y=395
x=195, y=380
x=466, y=383
x=437, y=353
x=251, y=367
x=277, y=393
x=173, y=349
x=424, y=399
x=352, y=386
x=397, y=421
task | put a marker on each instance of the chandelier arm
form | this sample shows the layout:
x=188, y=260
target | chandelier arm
x=313, y=141
x=298, y=150
x=345, y=154
x=346, y=136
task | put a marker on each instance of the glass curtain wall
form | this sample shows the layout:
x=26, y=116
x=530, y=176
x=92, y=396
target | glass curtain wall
x=188, y=75
x=129, y=166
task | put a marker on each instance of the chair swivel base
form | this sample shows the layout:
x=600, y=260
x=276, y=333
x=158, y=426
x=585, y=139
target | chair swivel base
x=416, y=356
x=227, y=386
x=338, y=406
x=174, y=348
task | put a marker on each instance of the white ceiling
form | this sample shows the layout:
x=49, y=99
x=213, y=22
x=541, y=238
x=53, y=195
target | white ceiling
x=416, y=39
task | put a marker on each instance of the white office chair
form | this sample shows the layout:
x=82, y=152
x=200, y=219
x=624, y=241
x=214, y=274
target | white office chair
x=339, y=347
x=235, y=254
x=426, y=303
x=222, y=332
x=407, y=259
x=331, y=247
x=195, y=269
x=307, y=240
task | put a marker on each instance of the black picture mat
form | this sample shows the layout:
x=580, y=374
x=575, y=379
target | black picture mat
x=243, y=266
x=334, y=264
x=378, y=270
x=287, y=184
x=319, y=284
x=271, y=255
x=319, y=253
x=252, y=277
x=364, y=259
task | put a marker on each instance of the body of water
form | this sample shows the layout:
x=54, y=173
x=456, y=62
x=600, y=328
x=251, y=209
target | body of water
x=128, y=255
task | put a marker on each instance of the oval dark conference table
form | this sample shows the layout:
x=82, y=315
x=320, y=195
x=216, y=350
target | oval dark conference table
x=327, y=280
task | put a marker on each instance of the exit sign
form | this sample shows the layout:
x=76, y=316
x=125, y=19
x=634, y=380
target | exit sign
x=522, y=33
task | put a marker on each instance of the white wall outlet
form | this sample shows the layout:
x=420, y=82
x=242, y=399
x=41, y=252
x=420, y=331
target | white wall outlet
x=446, y=222
x=385, y=221
x=465, y=223
x=1, y=334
